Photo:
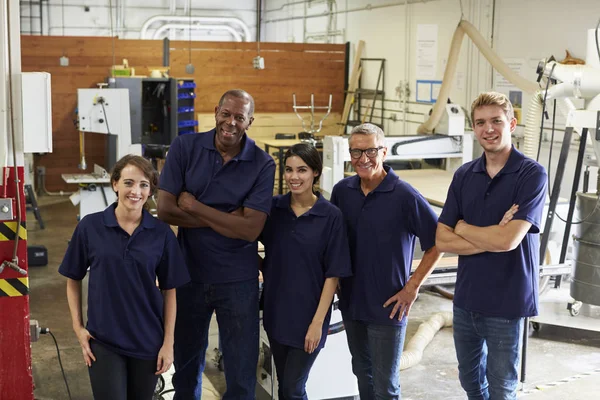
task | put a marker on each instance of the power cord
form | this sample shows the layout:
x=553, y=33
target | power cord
x=47, y=331
x=551, y=145
x=544, y=113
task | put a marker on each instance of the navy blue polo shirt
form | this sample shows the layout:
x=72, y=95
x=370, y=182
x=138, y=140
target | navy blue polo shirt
x=194, y=165
x=300, y=253
x=382, y=228
x=125, y=308
x=498, y=284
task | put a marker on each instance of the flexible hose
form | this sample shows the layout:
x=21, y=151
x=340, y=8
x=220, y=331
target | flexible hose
x=413, y=351
x=532, y=124
x=442, y=292
x=500, y=66
x=440, y=104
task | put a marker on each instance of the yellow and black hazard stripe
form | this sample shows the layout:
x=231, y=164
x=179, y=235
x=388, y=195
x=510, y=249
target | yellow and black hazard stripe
x=14, y=287
x=8, y=231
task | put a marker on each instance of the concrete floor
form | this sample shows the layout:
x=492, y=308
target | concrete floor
x=555, y=354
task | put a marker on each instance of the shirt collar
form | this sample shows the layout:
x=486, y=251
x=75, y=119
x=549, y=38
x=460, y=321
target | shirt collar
x=318, y=209
x=110, y=219
x=513, y=164
x=247, y=153
x=387, y=185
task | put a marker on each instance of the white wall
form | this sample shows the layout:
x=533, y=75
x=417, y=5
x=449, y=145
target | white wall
x=96, y=21
x=383, y=27
x=528, y=30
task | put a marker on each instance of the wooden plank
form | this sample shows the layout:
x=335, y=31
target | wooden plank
x=264, y=46
x=352, y=85
x=244, y=59
x=433, y=184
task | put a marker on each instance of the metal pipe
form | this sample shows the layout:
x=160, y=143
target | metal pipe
x=86, y=28
x=368, y=7
x=173, y=18
x=406, y=65
x=258, y=5
x=291, y=4
x=81, y=5
x=167, y=27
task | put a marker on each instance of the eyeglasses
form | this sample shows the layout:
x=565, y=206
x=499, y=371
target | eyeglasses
x=371, y=153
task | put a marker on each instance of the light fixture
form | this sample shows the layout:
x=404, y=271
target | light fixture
x=63, y=60
x=258, y=62
x=189, y=69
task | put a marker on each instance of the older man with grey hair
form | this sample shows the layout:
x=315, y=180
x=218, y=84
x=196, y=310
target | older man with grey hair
x=383, y=216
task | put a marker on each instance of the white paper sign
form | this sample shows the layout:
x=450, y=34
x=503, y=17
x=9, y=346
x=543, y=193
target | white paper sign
x=427, y=48
x=501, y=83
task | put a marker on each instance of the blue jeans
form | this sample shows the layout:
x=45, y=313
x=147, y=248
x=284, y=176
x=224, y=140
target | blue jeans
x=236, y=306
x=488, y=351
x=376, y=351
x=292, y=366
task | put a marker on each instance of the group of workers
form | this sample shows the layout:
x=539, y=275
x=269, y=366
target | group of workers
x=152, y=295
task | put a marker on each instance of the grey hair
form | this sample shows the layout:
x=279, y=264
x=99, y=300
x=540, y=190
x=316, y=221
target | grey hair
x=369, y=129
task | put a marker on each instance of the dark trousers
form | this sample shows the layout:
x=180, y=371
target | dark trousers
x=236, y=306
x=118, y=377
x=292, y=366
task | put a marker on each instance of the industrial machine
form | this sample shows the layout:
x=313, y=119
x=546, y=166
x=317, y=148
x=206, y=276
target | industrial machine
x=160, y=108
x=104, y=111
x=16, y=378
x=449, y=142
x=140, y=116
x=579, y=81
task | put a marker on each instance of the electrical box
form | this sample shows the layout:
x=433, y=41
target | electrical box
x=258, y=62
x=153, y=108
x=36, y=97
x=6, y=210
x=452, y=122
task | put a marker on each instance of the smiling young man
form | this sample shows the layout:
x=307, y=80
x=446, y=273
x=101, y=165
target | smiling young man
x=497, y=281
x=383, y=215
x=217, y=187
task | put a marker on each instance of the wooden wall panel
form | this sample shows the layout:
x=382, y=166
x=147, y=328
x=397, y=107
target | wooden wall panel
x=219, y=66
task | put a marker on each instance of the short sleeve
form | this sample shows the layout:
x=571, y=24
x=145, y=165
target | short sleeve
x=422, y=221
x=76, y=261
x=260, y=197
x=337, y=252
x=172, y=176
x=531, y=197
x=172, y=271
x=451, y=213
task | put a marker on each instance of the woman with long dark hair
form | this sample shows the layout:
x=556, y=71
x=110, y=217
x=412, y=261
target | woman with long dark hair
x=306, y=252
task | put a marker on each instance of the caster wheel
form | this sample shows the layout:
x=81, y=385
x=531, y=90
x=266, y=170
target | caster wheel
x=536, y=326
x=574, y=308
